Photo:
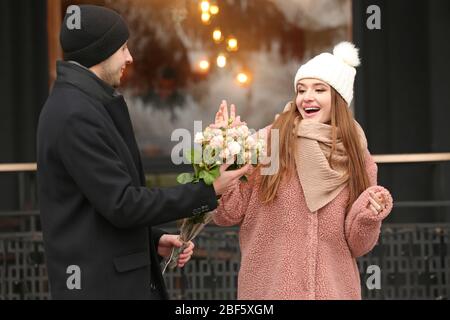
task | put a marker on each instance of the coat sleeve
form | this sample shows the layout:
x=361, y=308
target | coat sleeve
x=89, y=157
x=362, y=226
x=156, y=235
x=234, y=202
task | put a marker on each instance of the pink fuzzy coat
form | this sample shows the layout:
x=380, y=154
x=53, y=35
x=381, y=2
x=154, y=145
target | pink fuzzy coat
x=290, y=253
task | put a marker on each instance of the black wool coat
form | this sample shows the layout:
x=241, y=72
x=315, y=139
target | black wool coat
x=97, y=215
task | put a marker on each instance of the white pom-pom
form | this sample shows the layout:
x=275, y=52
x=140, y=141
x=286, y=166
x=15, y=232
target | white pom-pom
x=347, y=52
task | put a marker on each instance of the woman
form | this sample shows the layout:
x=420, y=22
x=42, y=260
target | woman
x=302, y=228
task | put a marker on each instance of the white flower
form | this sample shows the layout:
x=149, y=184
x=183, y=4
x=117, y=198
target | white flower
x=229, y=140
x=207, y=136
x=232, y=132
x=217, y=132
x=212, y=131
x=250, y=142
x=225, y=153
x=243, y=131
x=199, y=138
x=234, y=148
x=216, y=142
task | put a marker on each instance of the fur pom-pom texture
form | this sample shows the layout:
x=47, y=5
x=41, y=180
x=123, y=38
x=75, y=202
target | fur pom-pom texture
x=347, y=52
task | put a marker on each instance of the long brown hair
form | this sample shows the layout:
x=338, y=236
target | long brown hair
x=342, y=118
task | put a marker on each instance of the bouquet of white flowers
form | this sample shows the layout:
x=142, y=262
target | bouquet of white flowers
x=227, y=141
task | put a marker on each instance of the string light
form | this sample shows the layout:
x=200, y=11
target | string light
x=232, y=44
x=217, y=36
x=204, y=65
x=242, y=78
x=204, y=6
x=206, y=17
x=214, y=9
x=221, y=60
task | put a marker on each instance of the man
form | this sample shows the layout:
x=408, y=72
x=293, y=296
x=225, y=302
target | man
x=97, y=215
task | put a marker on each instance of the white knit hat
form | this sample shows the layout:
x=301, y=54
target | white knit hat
x=337, y=69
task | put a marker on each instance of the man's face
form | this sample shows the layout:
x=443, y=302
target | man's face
x=113, y=68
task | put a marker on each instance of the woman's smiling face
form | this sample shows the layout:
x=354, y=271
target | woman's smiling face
x=314, y=100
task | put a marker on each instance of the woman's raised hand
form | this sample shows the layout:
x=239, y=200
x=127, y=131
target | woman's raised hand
x=223, y=119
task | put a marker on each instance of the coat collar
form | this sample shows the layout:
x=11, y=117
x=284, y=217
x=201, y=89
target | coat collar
x=85, y=80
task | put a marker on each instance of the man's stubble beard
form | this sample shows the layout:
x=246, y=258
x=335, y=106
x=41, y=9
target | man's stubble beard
x=110, y=76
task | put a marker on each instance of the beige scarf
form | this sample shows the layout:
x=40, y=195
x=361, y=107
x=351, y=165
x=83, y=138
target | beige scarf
x=321, y=183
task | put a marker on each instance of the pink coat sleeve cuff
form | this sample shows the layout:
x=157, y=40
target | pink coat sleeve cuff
x=360, y=211
x=230, y=210
x=362, y=226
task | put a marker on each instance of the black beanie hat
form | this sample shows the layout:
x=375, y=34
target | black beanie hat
x=102, y=33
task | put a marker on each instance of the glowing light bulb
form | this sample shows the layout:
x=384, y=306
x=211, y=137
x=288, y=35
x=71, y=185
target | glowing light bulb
x=204, y=65
x=214, y=9
x=242, y=78
x=204, y=6
x=217, y=35
x=206, y=17
x=232, y=44
x=221, y=61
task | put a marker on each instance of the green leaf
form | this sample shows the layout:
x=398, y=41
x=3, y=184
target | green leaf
x=207, y=177
x=215, y=172
x=202, y=174
x=185, y=178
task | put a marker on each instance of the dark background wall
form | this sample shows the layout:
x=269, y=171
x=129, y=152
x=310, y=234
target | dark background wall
x=23, y=85
x=402, y=96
